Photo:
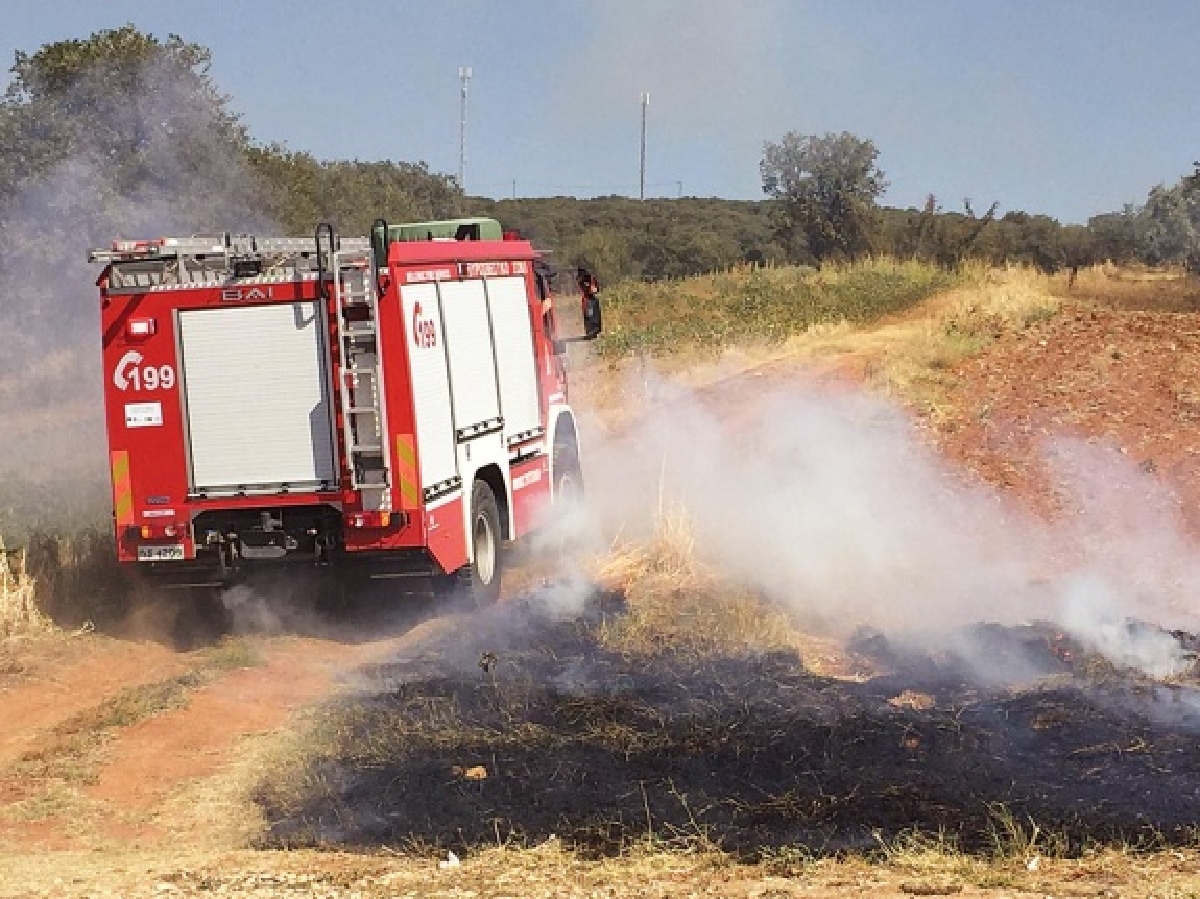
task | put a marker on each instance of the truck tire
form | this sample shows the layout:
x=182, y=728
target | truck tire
x=568, y=476
x=479, y=579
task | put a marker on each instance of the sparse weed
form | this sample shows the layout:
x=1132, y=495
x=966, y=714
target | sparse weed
x=138, y=703
x=788, y=861
x=1014, y=838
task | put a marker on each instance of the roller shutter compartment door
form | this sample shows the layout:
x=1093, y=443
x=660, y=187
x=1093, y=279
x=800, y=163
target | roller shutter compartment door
x=515, y=360
x=469, y=351
x=430, y=384
x=256, y=387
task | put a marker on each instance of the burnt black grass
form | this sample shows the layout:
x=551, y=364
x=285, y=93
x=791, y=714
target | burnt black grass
x=749, y=753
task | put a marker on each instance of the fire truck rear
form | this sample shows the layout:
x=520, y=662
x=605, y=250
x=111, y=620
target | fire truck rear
x=382, y=406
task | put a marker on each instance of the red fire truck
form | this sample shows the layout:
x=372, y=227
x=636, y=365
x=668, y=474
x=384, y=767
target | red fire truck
x=381, y=406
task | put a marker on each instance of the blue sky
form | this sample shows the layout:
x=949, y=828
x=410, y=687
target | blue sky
x=1069, y=107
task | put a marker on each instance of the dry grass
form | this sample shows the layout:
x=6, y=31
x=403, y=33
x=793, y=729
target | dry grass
x=916, y=364
x=677, y=603
x=906, y=348
x=1135, y=288
x=78, y=580
x=550, y=870
x=668, y=556
x=19, y=611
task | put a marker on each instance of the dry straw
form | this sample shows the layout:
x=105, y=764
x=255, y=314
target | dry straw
x=19, y=613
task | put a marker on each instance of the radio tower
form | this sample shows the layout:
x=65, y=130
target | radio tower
x=642, y=183
x=464, y=75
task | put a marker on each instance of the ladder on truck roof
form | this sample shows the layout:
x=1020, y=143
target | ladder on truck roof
x=205, y=261
x=231, y=246
x=349, y=270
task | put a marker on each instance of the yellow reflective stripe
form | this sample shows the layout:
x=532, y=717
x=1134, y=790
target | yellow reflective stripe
x=122, y=488
x=404, y=450
x=120, y=466
x=406, y=471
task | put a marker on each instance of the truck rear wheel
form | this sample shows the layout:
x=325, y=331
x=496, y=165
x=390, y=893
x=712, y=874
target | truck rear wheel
x=480, y=579
x=568, y=477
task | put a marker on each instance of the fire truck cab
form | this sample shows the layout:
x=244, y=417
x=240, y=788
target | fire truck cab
x=386, y=406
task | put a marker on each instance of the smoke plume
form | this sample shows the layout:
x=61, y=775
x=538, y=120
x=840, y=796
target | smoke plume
x=182, y=174
x=832, y=505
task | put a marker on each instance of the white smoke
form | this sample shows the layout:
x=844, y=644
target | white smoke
x=834, y=507
x=180, y=176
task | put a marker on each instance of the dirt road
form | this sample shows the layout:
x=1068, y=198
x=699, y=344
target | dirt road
x=108, y=743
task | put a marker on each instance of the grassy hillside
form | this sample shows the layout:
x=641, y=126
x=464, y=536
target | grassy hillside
x=756, y=304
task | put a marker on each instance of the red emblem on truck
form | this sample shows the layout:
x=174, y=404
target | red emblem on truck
x=424, y=331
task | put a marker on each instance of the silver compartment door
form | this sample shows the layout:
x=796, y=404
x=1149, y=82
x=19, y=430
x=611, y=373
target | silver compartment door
x=256, y=389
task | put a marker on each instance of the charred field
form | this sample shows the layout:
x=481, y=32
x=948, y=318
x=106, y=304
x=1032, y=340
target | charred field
x=547, y=729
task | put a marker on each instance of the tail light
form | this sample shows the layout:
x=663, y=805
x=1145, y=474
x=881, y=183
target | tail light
x=368, y=519
x=171, y=530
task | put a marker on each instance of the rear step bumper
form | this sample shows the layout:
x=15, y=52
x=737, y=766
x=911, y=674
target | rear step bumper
x=409, y=563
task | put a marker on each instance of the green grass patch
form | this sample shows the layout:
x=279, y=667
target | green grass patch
x=232, y=653
x=759, y=304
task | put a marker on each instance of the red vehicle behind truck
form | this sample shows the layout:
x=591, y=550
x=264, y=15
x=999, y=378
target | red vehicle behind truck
x=373, y=406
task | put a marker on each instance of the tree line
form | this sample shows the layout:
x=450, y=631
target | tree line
x=823, y=206
x=124, y=131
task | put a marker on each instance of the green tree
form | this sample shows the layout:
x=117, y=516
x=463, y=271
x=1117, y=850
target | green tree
x=1118, y=236
x=1171, y=223
x=1036, y=240
x=606, y=252
x=934, y=235
x=827, y=187
x=301, y=190
x=1079, y=247
x=117, y=134
x=143, y=109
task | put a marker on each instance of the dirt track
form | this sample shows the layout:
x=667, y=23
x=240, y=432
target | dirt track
x=87, y=766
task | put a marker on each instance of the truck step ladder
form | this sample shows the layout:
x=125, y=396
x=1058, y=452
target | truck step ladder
x=350, y=273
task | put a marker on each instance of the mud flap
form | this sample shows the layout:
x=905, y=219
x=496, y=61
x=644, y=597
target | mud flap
x=445, y=534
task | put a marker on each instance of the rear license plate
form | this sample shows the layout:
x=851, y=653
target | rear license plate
x=160, y=553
